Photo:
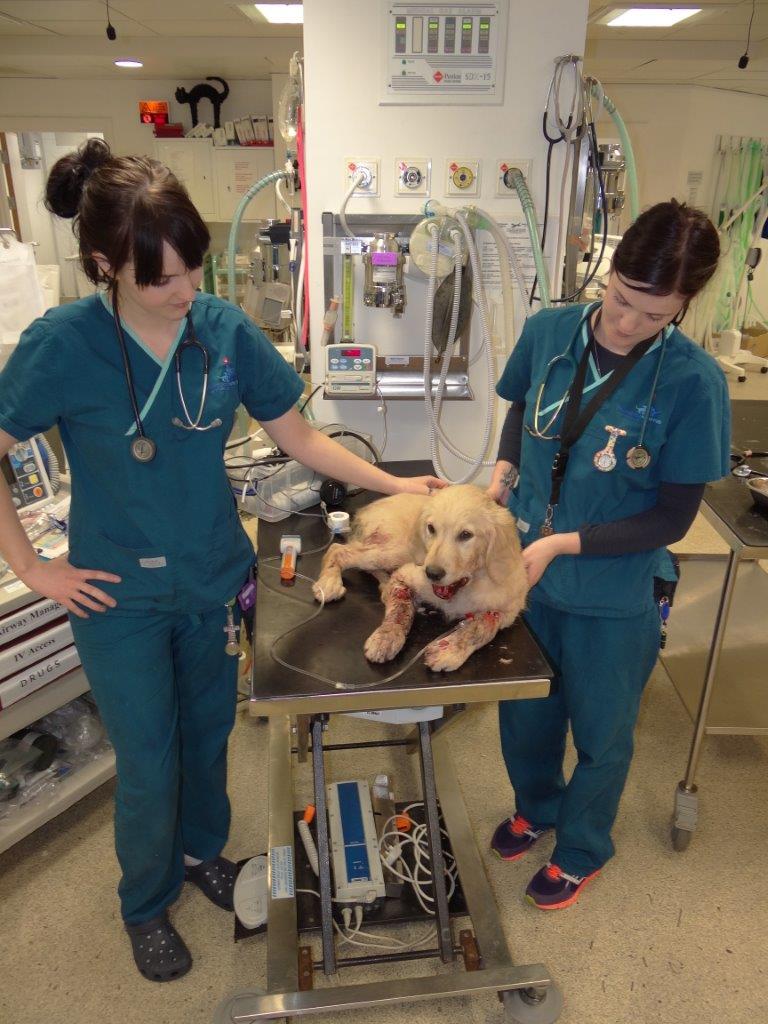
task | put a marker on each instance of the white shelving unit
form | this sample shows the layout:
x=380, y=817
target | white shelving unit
x=41, y=702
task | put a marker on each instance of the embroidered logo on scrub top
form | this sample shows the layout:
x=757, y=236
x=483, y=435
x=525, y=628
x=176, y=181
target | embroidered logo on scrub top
x=227, y=378
x=638, y=414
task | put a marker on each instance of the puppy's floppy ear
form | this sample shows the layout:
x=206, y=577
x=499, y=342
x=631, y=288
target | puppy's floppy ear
x=503, y=543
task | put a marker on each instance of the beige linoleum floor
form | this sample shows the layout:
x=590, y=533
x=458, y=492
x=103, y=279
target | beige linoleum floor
x=660, y=938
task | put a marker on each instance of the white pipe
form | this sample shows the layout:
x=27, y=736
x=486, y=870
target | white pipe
x=358, y=179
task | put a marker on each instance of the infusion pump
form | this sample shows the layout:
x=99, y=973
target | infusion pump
x=350, y=369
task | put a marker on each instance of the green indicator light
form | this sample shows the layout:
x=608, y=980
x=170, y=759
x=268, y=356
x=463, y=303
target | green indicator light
x=466, y=25
x=400, y=24
x=485, y=24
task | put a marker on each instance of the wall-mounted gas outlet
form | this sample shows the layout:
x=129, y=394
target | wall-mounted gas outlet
x=504, y=186
x=369, y=167
x=412, y=176
x=462, y=178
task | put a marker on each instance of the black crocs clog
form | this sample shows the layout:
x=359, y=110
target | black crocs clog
x=216, y=879
x=158, y=949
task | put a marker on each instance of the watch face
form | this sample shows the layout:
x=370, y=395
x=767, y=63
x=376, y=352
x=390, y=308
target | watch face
x=605, y=461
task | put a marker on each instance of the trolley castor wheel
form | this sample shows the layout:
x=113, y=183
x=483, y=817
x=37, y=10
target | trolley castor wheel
x=533, y=1005
x=764, y=369
x=681, y=838
x=742, y=379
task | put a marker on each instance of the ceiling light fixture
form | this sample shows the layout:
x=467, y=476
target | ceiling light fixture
x=649, y=17
x=128, y=63
x=282, y=14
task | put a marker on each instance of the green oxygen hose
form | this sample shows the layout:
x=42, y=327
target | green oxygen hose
x=521, y=187
x=626, y=148
x=241, y=207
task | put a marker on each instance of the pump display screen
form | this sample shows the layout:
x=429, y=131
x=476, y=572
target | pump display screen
x=351, y=351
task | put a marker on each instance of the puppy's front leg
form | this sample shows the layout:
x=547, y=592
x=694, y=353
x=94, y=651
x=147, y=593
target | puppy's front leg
x=386, y=641
x=474, y=632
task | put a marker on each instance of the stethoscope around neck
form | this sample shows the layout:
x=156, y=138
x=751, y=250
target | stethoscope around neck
x=541, y=432
x=143, y=448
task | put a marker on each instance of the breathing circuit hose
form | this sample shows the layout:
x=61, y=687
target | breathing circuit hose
x=254, y=190
x=526, y=201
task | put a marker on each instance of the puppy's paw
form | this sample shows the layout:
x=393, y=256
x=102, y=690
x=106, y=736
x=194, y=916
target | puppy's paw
x=329, y=588
x=444, y=656
x=384, y=643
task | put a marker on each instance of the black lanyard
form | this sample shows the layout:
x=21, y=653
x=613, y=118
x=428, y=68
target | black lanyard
x=577, y=419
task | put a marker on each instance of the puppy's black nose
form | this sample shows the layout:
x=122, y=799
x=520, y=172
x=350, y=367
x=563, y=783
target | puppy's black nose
x=434, y=572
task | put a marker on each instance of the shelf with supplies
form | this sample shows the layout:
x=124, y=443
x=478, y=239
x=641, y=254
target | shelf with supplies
x=80, y=783
x=217, y=177
x=15, y=600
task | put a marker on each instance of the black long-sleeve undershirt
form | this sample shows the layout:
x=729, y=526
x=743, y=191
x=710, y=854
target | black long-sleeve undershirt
x=666, y=523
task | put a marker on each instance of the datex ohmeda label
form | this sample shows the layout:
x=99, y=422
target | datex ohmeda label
x=281, y=872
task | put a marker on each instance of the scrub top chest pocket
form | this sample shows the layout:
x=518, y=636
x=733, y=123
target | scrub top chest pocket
x=201, y=406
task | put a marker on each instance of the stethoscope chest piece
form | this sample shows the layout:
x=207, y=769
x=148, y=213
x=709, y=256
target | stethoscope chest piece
x=638, y=457
x=143, y=449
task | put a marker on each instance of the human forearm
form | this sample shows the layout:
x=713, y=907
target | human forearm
x=666, y=523
x=315, y=449
x=15, y=546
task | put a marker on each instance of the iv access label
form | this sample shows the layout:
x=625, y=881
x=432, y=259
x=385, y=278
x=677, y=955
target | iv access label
x=283, y=886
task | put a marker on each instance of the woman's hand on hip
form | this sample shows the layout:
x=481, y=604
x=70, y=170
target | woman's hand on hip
x=69, y=586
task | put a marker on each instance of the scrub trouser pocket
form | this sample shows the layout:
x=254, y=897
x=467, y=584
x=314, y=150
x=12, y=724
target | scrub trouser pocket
x=167, y=694
x=602, y=666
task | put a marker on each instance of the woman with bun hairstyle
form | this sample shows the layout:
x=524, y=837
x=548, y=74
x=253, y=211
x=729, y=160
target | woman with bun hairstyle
x=157, y=555
x=617, y=421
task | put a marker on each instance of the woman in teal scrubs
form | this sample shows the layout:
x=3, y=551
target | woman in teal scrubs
x=599, y=495
x=157, y=553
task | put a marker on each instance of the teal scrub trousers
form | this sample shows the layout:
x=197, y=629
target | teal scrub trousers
x=601, y=667
x=167, y=694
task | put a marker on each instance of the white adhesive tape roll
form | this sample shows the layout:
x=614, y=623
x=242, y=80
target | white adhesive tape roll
x=338, y=522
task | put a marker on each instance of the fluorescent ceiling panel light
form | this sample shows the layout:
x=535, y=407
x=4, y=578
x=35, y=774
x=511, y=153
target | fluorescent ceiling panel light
x=652, y=17
x=128, y=63
x=282, y=14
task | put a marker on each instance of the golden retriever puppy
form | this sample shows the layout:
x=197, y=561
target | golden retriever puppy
x=457, y=551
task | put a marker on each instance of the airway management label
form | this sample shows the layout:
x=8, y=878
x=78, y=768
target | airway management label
x=281, y=872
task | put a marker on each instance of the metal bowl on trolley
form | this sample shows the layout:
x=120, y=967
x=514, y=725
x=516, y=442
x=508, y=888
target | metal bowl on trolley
x=759, y=491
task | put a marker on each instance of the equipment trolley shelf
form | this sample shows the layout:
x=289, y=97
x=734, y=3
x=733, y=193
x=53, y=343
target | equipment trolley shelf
x=716, y=654
x=55, y=694
x=331, y=646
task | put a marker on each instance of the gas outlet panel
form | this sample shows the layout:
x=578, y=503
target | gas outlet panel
x=369, y=166
x=412, y=176
x=462, y=177
x=504, y=186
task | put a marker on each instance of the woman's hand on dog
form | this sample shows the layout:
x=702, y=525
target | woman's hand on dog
x=418, y=484
x=538, y=555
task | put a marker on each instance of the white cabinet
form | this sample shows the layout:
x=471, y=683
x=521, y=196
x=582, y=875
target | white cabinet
x=191, y=160
x=218, y=177
x=237, y=168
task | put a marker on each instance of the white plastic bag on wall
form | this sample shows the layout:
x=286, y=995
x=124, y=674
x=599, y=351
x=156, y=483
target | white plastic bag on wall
x=21, y=297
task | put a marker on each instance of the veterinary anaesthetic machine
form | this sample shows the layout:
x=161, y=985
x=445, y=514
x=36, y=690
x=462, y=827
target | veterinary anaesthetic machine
x=309, y=668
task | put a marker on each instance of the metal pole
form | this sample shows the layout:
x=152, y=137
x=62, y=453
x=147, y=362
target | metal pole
x=444, y=937
x=323, y=846
x=713, y=659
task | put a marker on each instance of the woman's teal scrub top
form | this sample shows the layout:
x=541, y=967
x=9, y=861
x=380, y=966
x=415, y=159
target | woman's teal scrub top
x=688, y=437
x=169, y=527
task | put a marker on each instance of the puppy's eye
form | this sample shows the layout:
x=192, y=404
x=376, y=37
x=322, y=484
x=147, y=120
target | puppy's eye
x=465, y=535
x=430, y=529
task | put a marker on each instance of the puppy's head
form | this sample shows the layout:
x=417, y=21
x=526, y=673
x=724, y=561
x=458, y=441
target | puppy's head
x=464, y=532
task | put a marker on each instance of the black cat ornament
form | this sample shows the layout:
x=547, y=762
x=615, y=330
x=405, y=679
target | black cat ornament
x=204, y=92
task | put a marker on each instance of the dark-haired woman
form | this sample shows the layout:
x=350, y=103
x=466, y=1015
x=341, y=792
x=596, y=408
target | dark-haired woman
x=617, y=422
x=157, y=553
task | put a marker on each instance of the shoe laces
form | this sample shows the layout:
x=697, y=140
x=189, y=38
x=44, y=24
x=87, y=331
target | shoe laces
x=520, y=826
x=557, y=874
